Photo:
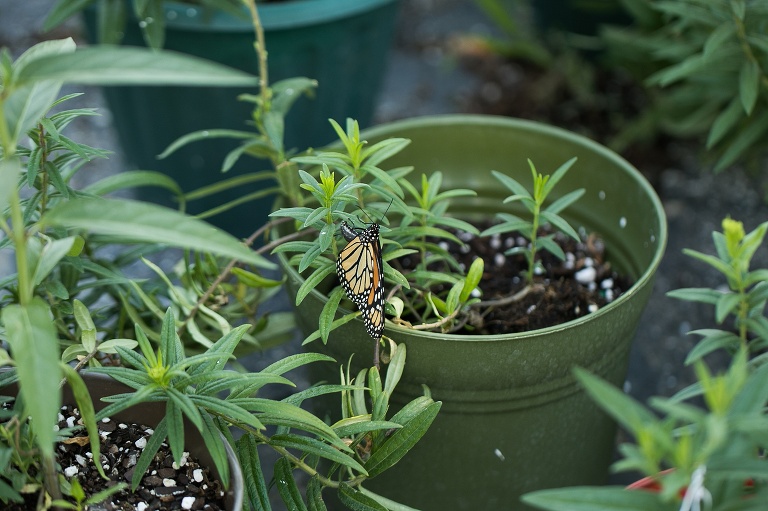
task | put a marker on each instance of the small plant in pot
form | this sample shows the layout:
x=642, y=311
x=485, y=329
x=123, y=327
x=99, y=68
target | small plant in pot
x=704, y=447
x=71, y=300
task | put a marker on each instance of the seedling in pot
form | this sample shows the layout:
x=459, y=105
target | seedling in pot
x=534, y=203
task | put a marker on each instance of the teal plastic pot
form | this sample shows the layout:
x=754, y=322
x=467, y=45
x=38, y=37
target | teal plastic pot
x=513, y=418
x=340, y=43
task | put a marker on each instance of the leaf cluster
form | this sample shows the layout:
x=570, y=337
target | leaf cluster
x=695, y=456
x=745, y=298
x=710, y=455
x=705, y=64
x=351, y=185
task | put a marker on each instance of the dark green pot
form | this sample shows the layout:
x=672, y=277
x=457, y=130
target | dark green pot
x=583, y=17
x=513, y=419
x=340, y=43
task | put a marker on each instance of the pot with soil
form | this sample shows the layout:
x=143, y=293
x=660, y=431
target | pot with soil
x=191, y=485
x=513, y=417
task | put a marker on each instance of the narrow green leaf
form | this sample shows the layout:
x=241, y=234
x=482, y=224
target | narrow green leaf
x=401, y=441
x=31, y=334
x=309, y=445
x=725, y=121
x=313, y=281
x=596, y=498
x=749, y=83
x=53, y=252
x=618, y=405
x=511, y=183
x=328, y=313
x=175, y=429
x=352, y=426
x=743, y=140
x=474, y=274
x=62, y=10
x=133, y=220
x=10, y=170
x=727, y=304
x=26, y=103
x=287, y=487
x=87, y=413
x=712, y=340
x=395, y=370
x=255, y=484
x=154, y=442
x=696, y=294
x=106, y=65
x=133, y=179
x=315, y=496
x=557, y=175
x=214, y=443
x=357, y=501
x=294, y=361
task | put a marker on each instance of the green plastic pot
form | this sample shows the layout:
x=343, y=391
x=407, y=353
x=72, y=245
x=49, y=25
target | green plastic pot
x=513, y=418
x=340, y=43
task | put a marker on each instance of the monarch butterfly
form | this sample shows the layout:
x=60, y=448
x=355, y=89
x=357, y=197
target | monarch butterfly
x=360, y=271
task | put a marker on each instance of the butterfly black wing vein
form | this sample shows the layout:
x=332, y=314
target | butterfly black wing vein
x=359, y=267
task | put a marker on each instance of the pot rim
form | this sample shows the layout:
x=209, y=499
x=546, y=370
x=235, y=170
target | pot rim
x=294, y=14
x=493, y=120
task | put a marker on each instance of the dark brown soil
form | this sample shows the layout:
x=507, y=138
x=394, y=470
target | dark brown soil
x=165, y=487
x=569, y=289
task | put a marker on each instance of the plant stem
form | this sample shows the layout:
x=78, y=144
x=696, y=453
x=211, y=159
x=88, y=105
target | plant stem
x=261, y=51
x=531, y=253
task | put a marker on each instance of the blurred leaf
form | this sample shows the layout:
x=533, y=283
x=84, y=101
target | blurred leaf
x=618, y=405
x=26, y=103
x=53, y=252
x=712, y=341
x=133, y=179
x=749, y=82
x=726, y=120
x=10, y=170
x=104, y=65
x=140, y=221
x=596, y=498
x=31, y=334
x=744, y=139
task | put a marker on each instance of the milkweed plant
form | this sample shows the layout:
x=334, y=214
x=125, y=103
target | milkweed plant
x=704, y=447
